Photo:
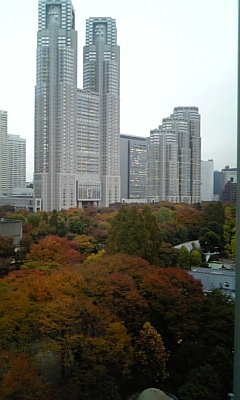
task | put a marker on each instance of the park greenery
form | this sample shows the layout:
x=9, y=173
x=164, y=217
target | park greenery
x=99, y=304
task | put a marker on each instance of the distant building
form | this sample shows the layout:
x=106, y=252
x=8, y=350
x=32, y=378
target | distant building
x=207, y=180
x=16, y=162
x=174, y=158
x=12, y=159
x=222, y=279
x=229, y=193
x=88, y=149
x=56, y=106
x=11, y=228
x=21, y=199
x=133, y=167
x=217, y=184
x=3, y=151
x=101, y=74
x=226, y=193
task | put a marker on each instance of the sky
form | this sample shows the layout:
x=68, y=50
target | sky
x=173, y=53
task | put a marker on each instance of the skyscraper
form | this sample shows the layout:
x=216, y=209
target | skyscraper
x=16, y=171
x=133, y=166
x=56, y=106
x=207, y=180
x=101, y=74
x=88, y=149
x=174, y=158
x=3, y=151
x=12, y=158
x=191, y=115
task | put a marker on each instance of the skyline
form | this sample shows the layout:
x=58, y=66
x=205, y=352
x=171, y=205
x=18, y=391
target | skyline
x=185, y=66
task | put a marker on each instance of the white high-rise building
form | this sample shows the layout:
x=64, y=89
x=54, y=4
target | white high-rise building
x=16, y=172
x=56, y=106
x=101, y=74
x=193, y=118
x=207, y=180
x=3, y=151
x=88, y=149
x=174, y=158
x=12, y=159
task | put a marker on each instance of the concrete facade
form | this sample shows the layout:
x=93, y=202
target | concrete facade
x=207, y=186
x=56, y=106
x=101, y=74
x=133, y=167
x=174, y=158
x=11, y=228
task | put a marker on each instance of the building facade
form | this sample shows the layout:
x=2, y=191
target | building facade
x=101, y=74
x=3, y=151
x=56, y=106
x=174, y=158
x=12, y=159
x=88, y=149
x=207, y=186
x=133, y=167
x=16, y=174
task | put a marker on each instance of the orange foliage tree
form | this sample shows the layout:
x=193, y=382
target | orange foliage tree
x=53, y=252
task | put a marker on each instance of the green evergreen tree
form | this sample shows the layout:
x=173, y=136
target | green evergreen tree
x=184, y=258
x=135, y=233
x=195, y=259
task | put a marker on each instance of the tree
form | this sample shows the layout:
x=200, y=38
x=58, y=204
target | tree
x=195, y=259
x=210, y=241
x=203, y=383
x=19, y=378
x=184, y=258
x=112, y=282
x=172, y=294
x=229, y=231
x=135, y=233
x=52, y=252
x=151, y=356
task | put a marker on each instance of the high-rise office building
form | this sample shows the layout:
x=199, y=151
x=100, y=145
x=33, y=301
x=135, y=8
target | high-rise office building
x=12, y=159
x=133, y=166
x=101, y=74
x=3, y=151
x=16, y=172
x=207, y=180
x=56, y=106
x=191, y=115
x=174, y=158
x=88, y=149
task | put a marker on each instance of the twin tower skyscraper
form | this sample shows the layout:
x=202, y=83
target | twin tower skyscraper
x=77, y=131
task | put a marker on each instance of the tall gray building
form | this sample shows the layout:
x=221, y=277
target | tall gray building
x=101, y=74
x=88, y=149
x=3, y=151
x=193, y=118
x=56, y=106
x=12, y=158
x=174, y=158
x=133, y=166
x=16, y=174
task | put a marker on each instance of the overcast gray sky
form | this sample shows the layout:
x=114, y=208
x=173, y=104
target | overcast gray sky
x=173, y=53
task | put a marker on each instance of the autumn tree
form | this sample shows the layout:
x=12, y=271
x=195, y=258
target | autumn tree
x=113, y=282
x=229, y=231
x=52, y=252
x=19, y=378
x=151, y=357
x=172, y=294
